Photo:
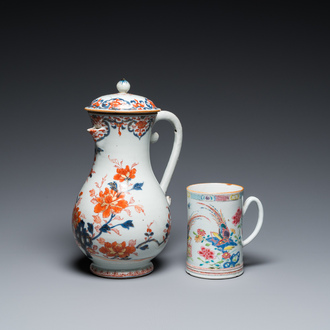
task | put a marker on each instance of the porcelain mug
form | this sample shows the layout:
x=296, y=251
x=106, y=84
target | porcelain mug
x=215, y=243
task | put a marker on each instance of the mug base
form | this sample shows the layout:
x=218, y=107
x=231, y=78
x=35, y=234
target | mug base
x=215, y=274
x=127, y=273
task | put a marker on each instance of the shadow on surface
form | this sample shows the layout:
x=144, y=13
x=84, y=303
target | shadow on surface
x=251, y=260
x=82, y=265
x=159, y=263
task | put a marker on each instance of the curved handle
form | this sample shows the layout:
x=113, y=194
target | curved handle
x=173, y=119
x=260, y=218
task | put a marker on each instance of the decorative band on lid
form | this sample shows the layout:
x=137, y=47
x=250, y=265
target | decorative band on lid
x=123, y=102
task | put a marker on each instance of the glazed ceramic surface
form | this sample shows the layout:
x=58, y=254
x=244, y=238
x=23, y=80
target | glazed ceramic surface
x=121, y=219
x=215, y=243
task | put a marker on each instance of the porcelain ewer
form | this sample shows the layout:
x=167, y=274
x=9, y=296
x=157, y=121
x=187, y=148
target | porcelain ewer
x=121, y=219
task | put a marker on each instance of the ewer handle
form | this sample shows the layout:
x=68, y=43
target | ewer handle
x=173, y=119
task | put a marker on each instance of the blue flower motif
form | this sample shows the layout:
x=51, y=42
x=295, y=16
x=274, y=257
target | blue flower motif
x=233, y=260
x=83, y=238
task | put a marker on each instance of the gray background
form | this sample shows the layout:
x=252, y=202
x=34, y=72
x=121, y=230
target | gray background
x=251, y=88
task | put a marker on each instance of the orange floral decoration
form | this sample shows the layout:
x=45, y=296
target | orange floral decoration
x=152, y=103
x=198, y=238
x=140, y=127
x=138, y=104
x=76, y=216
x=109, y=201
x=115, y=103
x=125, y=174
x=115, y=249
x=141, y=124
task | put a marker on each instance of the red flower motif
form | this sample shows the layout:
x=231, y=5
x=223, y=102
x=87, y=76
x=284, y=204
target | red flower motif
x=201, y=232
x=109, y=201
x=117, y=250
x=125, y=174
x=206, y=253
x=226, y=255
x=237, y=217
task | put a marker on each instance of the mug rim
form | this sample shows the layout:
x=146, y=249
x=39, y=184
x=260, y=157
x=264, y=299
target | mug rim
x=215, y=193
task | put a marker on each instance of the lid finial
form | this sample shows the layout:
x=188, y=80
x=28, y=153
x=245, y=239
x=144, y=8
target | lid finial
x=123, y=86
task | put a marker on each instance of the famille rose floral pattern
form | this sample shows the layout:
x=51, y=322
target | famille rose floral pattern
x=116, y=103
x=217, y=250
x=137, y=125
x=114, y=208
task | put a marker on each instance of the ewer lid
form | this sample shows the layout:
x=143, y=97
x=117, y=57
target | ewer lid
x=122, y=102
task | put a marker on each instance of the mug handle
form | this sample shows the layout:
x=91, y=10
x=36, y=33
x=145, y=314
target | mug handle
x=260, y=218
x=173, y=119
